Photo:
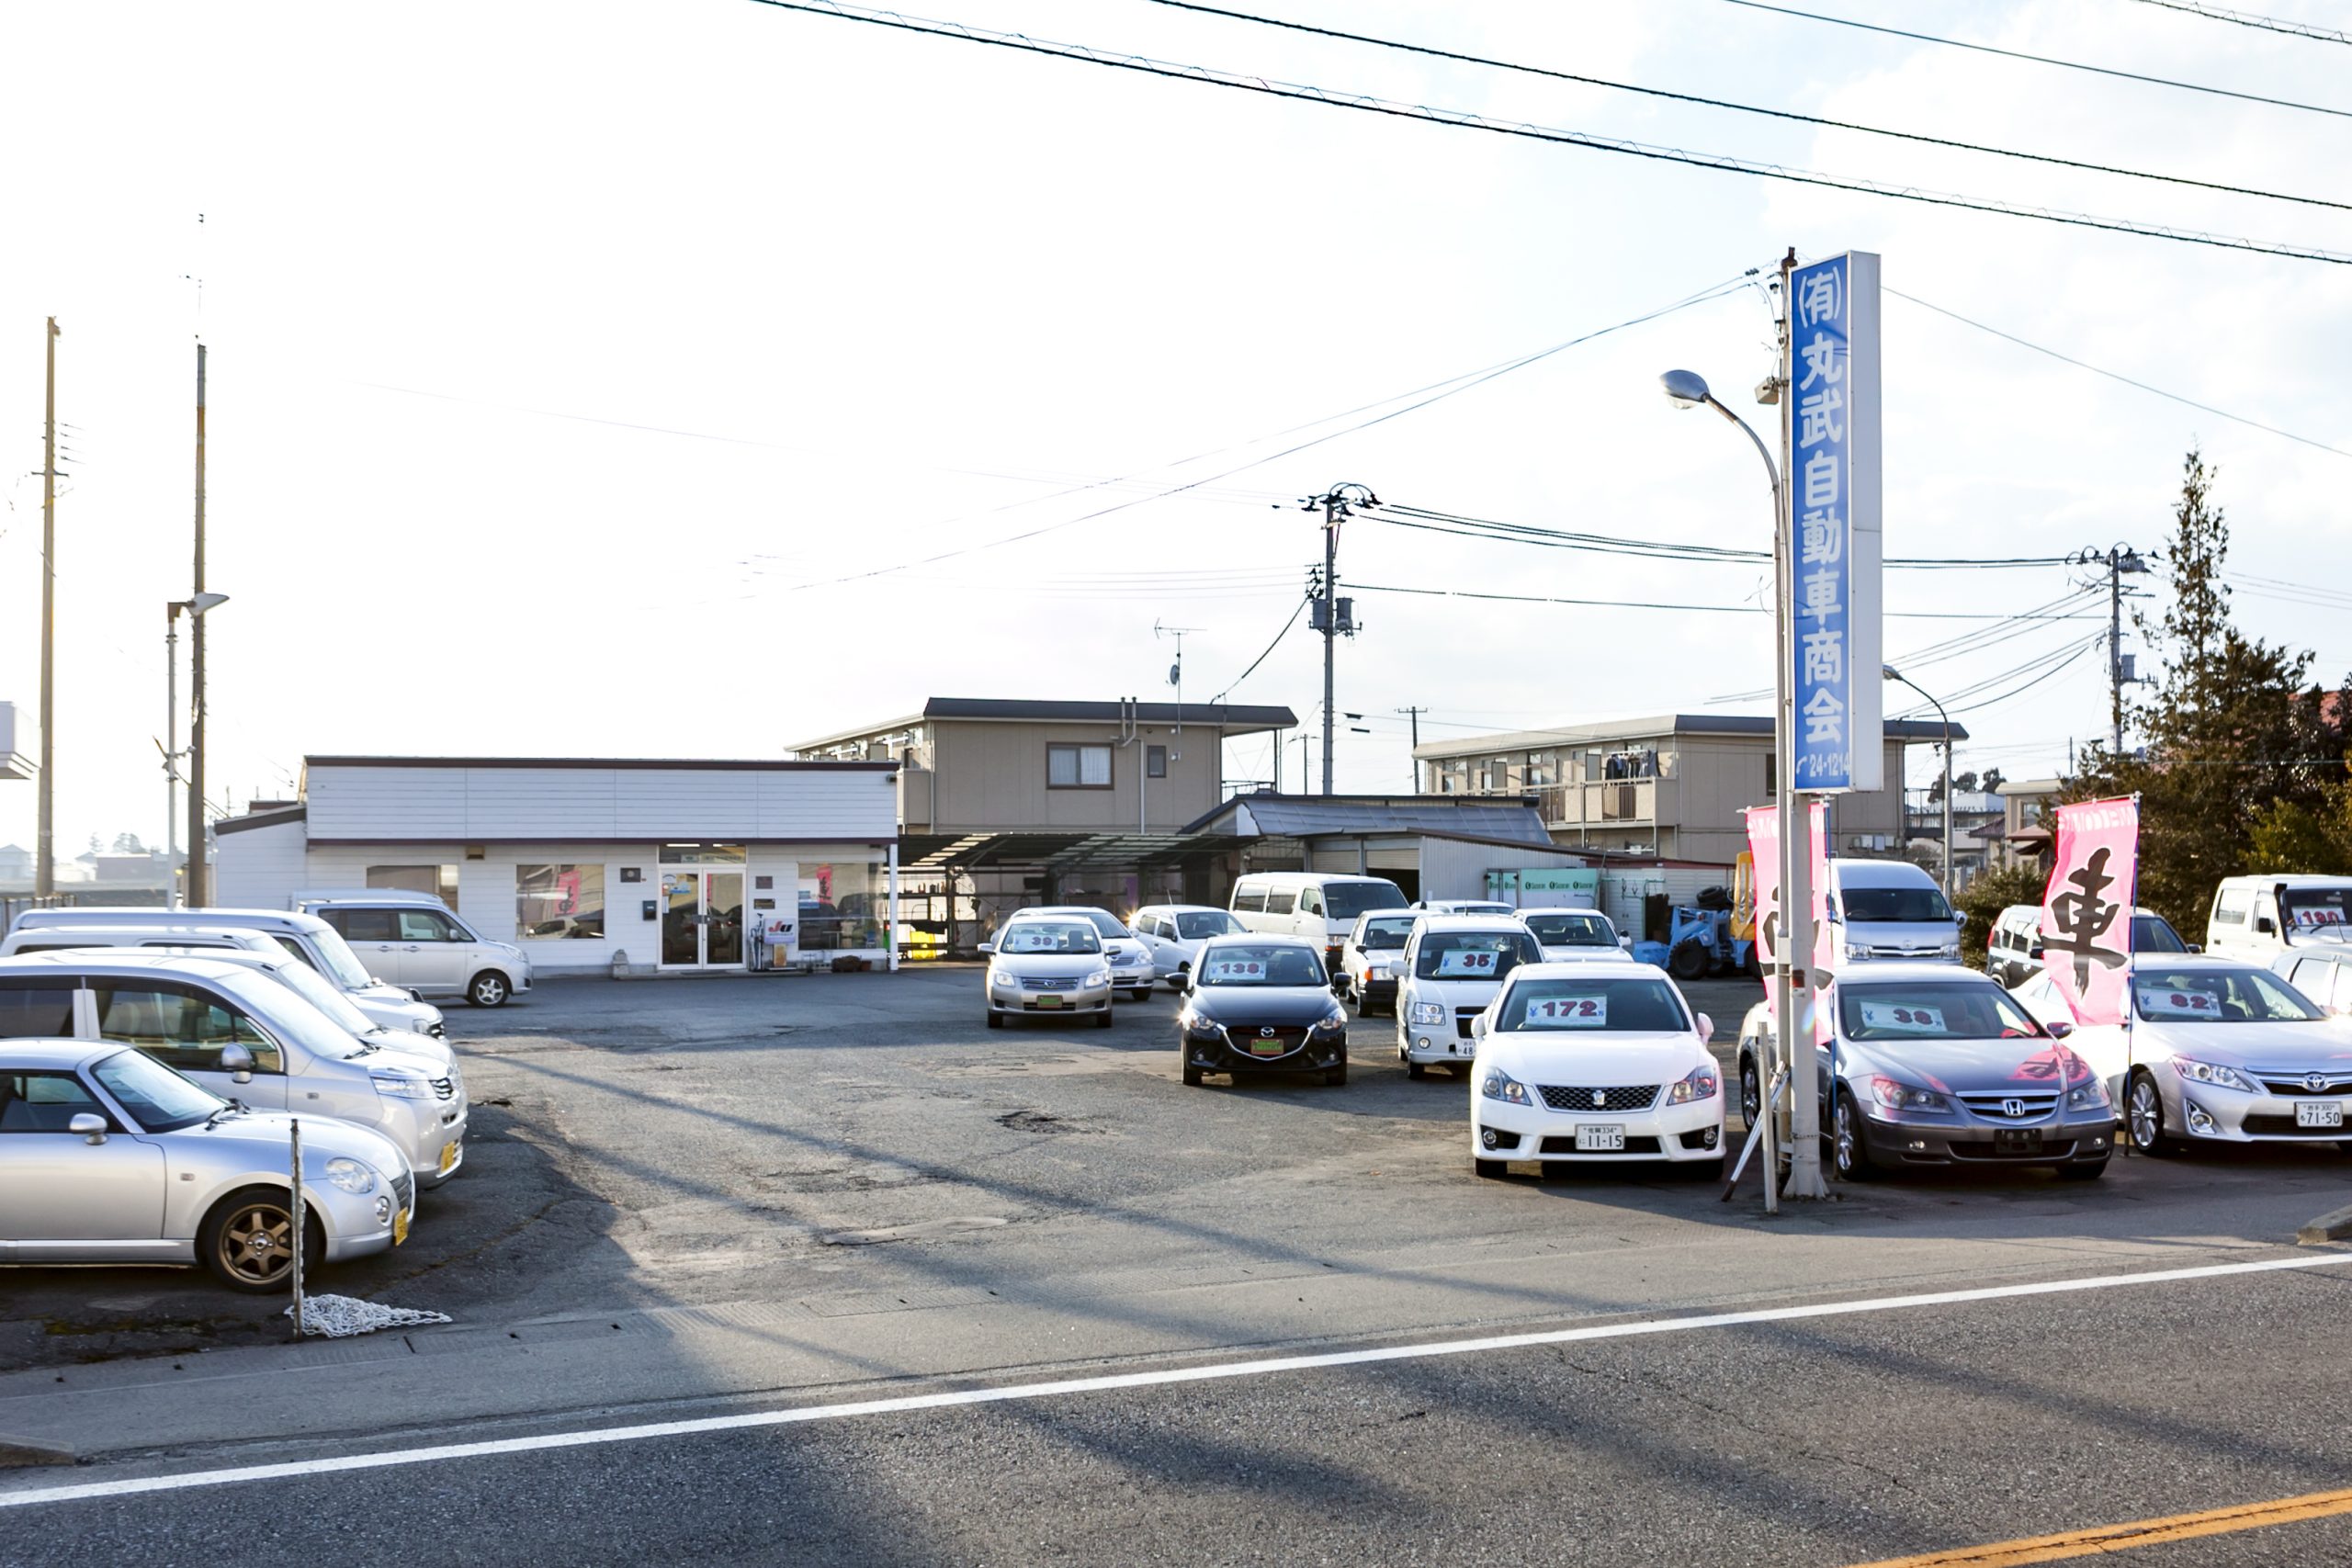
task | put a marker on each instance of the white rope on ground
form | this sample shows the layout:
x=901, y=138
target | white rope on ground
x=339, y=1317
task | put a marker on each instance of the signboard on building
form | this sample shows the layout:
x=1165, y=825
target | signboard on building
x=1572, y=888
x=1833, y=499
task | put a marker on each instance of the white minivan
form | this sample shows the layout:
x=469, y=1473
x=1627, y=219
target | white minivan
x=414, y=940
x=1889, y=910
x=306, y=937
x=1452, y=968
x=1319, y=906
x=2257, y=917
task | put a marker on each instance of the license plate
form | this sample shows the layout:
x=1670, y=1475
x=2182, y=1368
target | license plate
x=2016, y=1140
x=448, y=1157
x=2319, y=1113
x=1050, y=1001
x=399, y=1227
x=1267, y=1047
x=1600, y=1140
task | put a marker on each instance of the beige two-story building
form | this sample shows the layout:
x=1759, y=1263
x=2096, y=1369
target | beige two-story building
x=1673, y=785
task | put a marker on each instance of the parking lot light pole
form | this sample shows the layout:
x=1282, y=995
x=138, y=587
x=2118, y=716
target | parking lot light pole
x=1793, y=937
x=1891, y=673
x=191, y=894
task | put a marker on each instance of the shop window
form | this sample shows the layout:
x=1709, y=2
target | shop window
x=556, y=901
x=433, y=881
x=1077, y=767
x=844, y=903
x=1155, y=762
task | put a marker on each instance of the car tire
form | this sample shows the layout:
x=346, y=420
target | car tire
x=489, y=989
x=1334, y=1077
x=1754, y=967
x=1492, y=1170
x=1104, y=1019
x=1708, y=1169
x=245, y=1244
x=1687, y=961
x=1751, y=1091
x=1847, y=1150
x=2083, y=1170
x=2143, y=1116
x=1141, y=995
x=1192, y=1076
x=1416, y=1070
x=996, y=1018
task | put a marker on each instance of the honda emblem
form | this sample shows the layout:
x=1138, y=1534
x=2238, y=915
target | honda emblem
x=2013, y=1108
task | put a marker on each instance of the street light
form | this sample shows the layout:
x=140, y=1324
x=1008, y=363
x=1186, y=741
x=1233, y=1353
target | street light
x=195, y=606
x=1890, y=673
x=1688, y=388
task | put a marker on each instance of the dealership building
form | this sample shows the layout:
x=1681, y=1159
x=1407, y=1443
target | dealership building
x=593, y=863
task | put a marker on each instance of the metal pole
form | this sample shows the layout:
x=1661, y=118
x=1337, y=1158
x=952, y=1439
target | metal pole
x=1415, y=713
x=1950, y=879
x=294, y=1133
x=196, y=888
x=1803, y=1055
x=2115, y=645
x=45, y=839
x=1331, y=623
x=172, y=746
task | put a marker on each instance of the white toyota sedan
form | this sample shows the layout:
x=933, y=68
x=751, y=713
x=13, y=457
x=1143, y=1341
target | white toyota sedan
x=1574, y=936
x=2218, y=1050
x=1039, y=965
x=1597, y=1062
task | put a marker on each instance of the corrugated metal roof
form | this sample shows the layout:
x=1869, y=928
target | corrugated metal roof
x=1506, y=819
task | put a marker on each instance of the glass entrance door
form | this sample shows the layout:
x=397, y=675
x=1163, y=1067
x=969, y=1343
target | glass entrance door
x=702, y=918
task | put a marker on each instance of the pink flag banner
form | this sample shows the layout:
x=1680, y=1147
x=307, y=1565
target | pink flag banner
x=1764, y=850
x=2086, y=909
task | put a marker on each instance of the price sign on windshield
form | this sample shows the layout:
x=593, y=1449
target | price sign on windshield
x=1468, y=963
x=1901, y=1018
x=2163, y=1001
x=1569, y=1013
x=1236, y=969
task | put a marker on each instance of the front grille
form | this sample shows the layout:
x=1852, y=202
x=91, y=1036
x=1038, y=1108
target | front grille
x=1634, y=1146
x=1257, y=1042
x=1050, y=985
x=2032, y=1105
x=1462, y=1017
x=2297, y=1085
x=445, y=1088
x=1613, y=1096
x=403, y=1190
x=2284, y=1127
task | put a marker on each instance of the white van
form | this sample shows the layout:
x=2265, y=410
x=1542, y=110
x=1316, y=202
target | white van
x=306, y=937
x=2256, y=918
x=414, y=940
x=1314, y=905
x=1889, y=910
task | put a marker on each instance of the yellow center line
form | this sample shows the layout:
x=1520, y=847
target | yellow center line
x=2105, y=1538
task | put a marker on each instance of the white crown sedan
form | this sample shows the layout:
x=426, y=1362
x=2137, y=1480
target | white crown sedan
x=1594, y=1061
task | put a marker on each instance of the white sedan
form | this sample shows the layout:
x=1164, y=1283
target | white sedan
x=1039, y=966
x=1574, y=936
x=1174, y=933
x=2218, y=1051
x=1598, y=1061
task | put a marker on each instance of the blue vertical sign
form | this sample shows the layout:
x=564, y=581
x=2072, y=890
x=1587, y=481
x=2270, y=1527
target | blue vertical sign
x=1834, y=646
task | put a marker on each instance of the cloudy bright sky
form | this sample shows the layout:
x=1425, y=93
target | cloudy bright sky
x=580, y=372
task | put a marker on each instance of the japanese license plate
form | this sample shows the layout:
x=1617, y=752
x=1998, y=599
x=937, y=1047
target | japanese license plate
x=1050, y=1001
x=399, y=1227
x=448, y=1157
x=1600, y=1140
x=2319, y=1113
x=2016, y=1140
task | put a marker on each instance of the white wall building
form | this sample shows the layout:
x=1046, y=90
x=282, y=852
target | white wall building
x=678, y=865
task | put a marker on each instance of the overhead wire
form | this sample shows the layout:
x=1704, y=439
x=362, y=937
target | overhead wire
x=2042, y=59
x=1461, y=58
x=1356, y=587
x=1296, y=610
x=1660, y=549
x=1470, y=120
x=2249, y=19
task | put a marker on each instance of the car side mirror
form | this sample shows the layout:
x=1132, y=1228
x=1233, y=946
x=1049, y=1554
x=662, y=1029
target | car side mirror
x=1626, y=941
x=1478, y=1027
x=2058, y=1031
x=987, y=948
x=1960, y=916
x=88, y=1126
x=2266, y=925
x=1706, y=1027
x=2193, y=947
x=238, y=1062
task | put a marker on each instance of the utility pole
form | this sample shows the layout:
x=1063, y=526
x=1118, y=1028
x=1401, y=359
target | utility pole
x=1332, y=615
x=1415, y=713
x=172, y=748
x=195, y=887
x=2120, y=561
x=45, y=839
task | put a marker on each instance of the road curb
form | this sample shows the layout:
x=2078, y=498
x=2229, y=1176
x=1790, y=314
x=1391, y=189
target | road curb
x=26, y=1451
x=2327, y=1227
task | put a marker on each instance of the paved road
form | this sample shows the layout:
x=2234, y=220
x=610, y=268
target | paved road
x=702, y=1197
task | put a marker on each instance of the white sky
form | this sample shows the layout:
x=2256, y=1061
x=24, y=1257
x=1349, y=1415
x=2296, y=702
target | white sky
x=879, y=291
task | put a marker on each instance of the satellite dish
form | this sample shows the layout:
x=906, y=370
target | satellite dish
x=1176, y=674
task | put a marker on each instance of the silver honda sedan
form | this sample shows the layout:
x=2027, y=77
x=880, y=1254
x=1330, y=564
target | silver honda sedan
x=106, y=1155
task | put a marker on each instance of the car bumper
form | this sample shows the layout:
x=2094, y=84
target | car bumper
x=350, y=1220
x=1425, y=1043
x=1376, y=993
x=1218, y=1056
x=432, y=1134
x=1688, y=1132
x=1086, y=999
x=2048, y=1142
x=2224, y=1116
x=1134, y=977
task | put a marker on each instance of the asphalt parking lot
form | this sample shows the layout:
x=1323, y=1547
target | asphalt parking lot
x=855, y=1143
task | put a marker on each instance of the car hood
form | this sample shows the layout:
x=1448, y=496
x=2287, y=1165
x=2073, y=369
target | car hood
x=1047, y=965
x=1262, y=1004
x=259, y=1138
x=1457, y=993
x=1958, y=1065
x=1583, y=954
x=2320, y=1044
x=408, y=1046
x=1923, y=938
x=1601, y=1058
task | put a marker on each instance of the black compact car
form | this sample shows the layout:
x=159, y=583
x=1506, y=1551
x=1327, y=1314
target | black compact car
x=1262, y=1004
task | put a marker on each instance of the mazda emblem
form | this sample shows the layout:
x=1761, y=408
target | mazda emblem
x=1267, y=1033
x=1601, y=1100
x=2013, y=1108
x=2315, y=1082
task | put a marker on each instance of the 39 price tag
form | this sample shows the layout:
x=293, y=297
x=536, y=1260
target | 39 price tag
x=1902, y=1018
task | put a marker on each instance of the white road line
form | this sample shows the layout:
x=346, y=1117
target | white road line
x=752, y=1420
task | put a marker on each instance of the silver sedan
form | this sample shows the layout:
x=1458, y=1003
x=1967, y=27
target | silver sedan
x=106, y=1155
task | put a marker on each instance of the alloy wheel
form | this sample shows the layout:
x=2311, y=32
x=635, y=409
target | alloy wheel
x=256, y=1244
x=2145, y=1112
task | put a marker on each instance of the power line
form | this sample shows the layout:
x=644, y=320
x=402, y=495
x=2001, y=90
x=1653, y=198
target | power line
x=1465, y=119
x=2247, y=20
x=1652, y=604
x=2044, y=59
x=1581, y=80
x=1295, y=611
x=1655, y=549
x=2117, y=375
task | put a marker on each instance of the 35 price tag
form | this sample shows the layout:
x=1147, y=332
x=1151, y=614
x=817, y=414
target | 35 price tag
x=1468, y=963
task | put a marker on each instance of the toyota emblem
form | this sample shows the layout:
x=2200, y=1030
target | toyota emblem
x=1266, y=1033
x=1601, y=1100
x=2013, y=1108
x=2315, y=1082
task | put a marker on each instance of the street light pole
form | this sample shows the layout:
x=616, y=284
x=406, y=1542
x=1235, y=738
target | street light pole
x=1792, y=942
x=1889, y=673
x=195, y=605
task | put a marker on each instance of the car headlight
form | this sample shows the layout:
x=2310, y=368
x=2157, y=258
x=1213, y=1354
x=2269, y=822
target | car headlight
x=2088, y=1095
x=1376, y=971
x=1500, y=1085
x=1858, y=950
x=1895, y=1095
x=1429, y=1012
x=1331, y=1022
x=422, y=1025
x=400, y=1086
x=1099, y=977
x=1201, y=1028
x=1949, y=950
x=2212, y=1073
x=350, y=1175
x=1699, y=1083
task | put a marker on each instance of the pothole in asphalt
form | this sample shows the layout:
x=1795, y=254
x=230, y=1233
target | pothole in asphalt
x=1038, y=1122
x=922, y=1230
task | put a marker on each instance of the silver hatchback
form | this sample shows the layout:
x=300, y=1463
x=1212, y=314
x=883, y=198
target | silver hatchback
x=106, y=1155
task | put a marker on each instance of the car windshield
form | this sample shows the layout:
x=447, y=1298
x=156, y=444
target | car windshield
x=1931, y=1010
x=284, y=1013
x=1048, y=936
x=1913, y=905
x=2314, y=908
x=1106, y=923
x=1570, y=931
x=336, y=1004
x=1386, y=933
x=2217, y=996
x=342, y=963
x=2153, y=933
x=1633, y=1005
x=158, y=1099
x=1346, y=900
x=1260, y=964
x=1199, y=925
x=1474, y=955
